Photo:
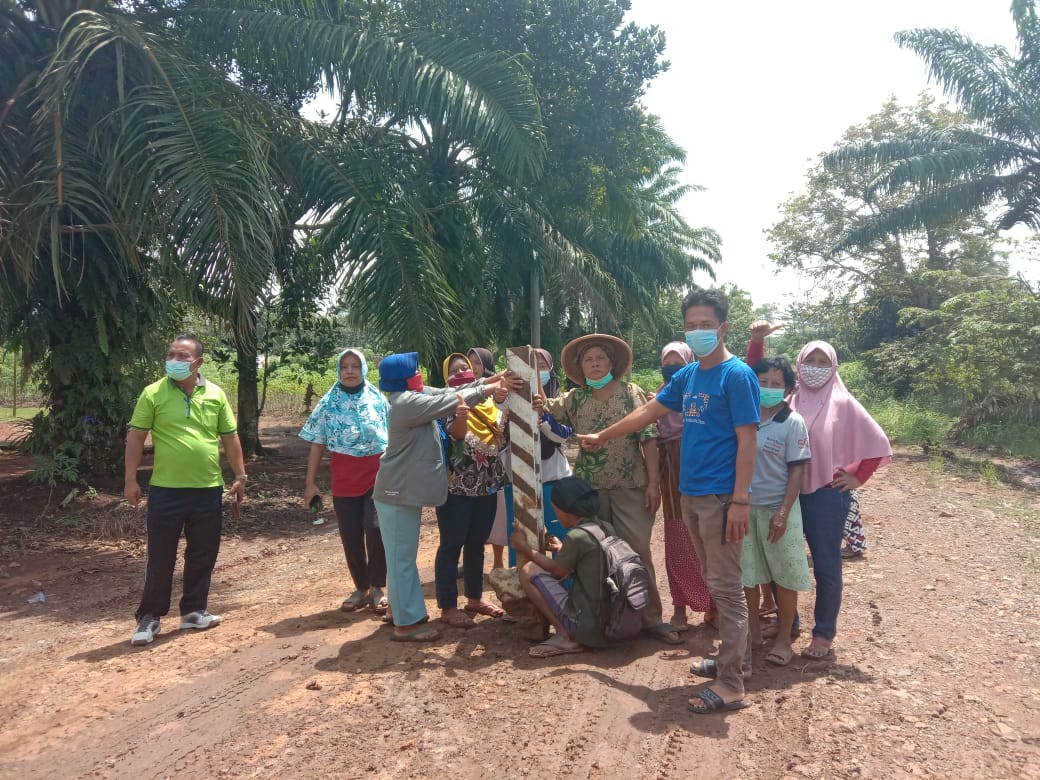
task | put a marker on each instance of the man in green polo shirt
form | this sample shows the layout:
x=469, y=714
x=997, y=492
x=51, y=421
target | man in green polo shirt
x=188, y=418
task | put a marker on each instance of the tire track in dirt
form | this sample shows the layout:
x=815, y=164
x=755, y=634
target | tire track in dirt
x=937, y=674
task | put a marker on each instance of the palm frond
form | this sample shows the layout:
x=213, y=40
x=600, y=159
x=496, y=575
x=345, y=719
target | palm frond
x=484, y=97
x=975, y=76
x=926, y=209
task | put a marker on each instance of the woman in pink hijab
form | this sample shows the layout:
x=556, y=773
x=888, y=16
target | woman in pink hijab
x=848, y=446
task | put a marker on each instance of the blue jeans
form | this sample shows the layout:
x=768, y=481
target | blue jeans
x=196, y=512
x=399, y=526
x=464, y=523
x=823, y=520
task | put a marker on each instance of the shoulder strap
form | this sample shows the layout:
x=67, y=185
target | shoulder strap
x=595, y=530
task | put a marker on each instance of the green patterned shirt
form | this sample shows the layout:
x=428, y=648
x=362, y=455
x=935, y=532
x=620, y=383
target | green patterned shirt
x=619, y=462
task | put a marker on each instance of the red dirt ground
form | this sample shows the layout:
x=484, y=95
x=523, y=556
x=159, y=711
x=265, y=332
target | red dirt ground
x=936, y=674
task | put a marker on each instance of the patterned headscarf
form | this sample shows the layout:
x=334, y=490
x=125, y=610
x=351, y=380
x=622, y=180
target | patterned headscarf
x=350, y=423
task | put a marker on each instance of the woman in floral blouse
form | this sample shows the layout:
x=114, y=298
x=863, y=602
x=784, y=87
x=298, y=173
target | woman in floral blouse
x=625, y=470
x=351, y=422
x=478, y=437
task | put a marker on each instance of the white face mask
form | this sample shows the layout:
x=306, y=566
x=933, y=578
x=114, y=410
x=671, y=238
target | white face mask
x=814, y=376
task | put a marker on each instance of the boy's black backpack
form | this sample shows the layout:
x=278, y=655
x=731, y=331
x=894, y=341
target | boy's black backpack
x=626, y=582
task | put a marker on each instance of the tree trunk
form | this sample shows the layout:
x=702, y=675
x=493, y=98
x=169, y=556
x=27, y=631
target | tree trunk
x=248, y=396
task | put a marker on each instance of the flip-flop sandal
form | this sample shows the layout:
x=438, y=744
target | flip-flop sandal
x=555, y=646
x=485, y=608
x=820, y=653
x=665, y=632
x=778, y=658
x=712, y=702
x=356, y=601
x=461, y=620
x=682, y=628
x=421, y=633
x=773, y=629
x=706, y=667
x=378, y=601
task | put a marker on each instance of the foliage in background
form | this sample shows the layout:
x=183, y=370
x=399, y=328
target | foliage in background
x=600, y=231
x=943, y=330
x=993, y=157
x=151, y=156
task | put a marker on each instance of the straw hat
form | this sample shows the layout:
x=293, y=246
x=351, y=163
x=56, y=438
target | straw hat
x=619, y=351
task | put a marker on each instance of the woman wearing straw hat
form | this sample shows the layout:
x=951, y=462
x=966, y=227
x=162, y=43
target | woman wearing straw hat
x=624, y=471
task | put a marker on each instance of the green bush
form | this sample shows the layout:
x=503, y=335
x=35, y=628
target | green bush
x=1018, y=441
x=910, y=421
x=647, y=378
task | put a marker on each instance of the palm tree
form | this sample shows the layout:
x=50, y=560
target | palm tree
x=962, y=169
x=137, y=169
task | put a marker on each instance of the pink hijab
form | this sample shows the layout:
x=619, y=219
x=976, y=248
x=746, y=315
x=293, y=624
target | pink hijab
x=841, y=432
x=670, y=425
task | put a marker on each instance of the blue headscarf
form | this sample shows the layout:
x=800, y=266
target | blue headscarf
x=396, y=370
x=350, y=423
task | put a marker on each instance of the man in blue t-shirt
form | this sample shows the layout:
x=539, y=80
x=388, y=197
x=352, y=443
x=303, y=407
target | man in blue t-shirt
x=718, y=398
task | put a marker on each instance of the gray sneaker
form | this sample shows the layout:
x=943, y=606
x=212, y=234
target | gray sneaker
x=147, y=628
x=201, y=619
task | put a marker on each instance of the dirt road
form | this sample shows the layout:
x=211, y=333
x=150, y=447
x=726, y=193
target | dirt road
x=937, y=671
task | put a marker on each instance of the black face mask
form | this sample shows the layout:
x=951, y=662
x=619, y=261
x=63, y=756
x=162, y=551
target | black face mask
x=669, y=371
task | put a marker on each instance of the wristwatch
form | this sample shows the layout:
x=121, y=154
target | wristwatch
x=241, y=477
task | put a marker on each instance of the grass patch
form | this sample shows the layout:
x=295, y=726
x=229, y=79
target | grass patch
x=1017, y=440
x=24, y=413
x=910, y=422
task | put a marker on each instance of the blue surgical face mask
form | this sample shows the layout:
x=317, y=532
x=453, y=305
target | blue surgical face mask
x=770, y=396
x=178, y=370
x=702, y=342
x=545, y=376
x=669, y=371
x=599, y=384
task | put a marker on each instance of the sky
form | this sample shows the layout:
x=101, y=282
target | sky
x=757, y=90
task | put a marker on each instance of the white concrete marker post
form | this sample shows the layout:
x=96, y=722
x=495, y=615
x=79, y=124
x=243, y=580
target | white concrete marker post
x=525, y=448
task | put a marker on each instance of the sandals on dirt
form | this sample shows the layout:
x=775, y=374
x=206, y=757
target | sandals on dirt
x=423, y=632
x=356, y=601
x=665, y=632
x=485, y=608
x=710, y=702
x=818, y=650
x=457, y=619
x=706, y=667
x=771, y=630
x=556, y=645
x=378, y=601
x=780, y=656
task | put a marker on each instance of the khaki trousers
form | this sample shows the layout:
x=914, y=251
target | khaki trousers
x=720, y=562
